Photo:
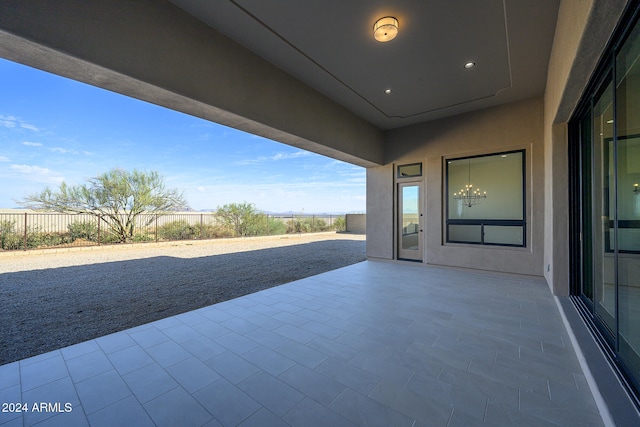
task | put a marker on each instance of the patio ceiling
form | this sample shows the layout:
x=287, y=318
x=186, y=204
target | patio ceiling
x=329, y=46
x=308, y=74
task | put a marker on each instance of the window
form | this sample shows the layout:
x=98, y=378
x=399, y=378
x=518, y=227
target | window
x=485, y=199
x=410, y=171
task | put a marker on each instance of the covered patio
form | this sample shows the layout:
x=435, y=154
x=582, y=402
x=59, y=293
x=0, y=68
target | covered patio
x=375, y=343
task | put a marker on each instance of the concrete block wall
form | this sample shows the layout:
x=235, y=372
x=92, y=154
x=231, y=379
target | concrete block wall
x=356, y=223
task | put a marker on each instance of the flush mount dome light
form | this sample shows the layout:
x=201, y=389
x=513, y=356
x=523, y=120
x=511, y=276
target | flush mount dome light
x=385, y=29
x=469, y=64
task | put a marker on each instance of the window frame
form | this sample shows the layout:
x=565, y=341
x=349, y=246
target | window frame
x=399, y=170
x=488, y=222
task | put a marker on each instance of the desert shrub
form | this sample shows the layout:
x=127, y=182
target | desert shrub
x=340, y=223
x=308, y=225
x=222, y=232
x=87, y=230
x=178, y=230
x=276, y=227
x=107, y=237
x=298, y=226
x=36, y=238
x=7, y=227
x=12, y=242
x=142, y=237
x=204, y=231
x=182, y=230
x=9, y=240
x=318, y=224
x=210, y=231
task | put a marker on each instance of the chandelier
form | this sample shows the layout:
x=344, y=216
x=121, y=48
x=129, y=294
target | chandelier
x=468, y=195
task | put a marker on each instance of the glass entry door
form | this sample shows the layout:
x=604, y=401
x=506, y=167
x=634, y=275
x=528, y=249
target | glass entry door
x=409, y=222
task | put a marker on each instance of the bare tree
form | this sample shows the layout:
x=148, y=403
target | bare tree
x=116, y=197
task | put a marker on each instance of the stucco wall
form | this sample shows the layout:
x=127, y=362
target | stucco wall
x=356, y=223
x=513, y=126
x=380, y=212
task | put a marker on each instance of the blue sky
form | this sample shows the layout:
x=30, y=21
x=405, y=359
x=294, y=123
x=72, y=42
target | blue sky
x=54, y=129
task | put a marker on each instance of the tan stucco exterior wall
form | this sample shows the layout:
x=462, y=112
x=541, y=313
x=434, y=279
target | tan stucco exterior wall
x=513, y=126
x=380, y=212
x=582, y=31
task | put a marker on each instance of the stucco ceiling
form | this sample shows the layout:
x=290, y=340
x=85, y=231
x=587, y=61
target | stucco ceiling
x=329, y=45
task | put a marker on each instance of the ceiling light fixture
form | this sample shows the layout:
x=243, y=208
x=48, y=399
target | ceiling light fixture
x=468, y=196
x=469, y=64
x=388, y=91
x=385, y=29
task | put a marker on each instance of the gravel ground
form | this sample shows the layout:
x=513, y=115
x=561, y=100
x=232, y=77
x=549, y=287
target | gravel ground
x=50, y=300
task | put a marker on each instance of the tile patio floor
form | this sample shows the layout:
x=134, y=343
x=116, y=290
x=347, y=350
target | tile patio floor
x=374, y=343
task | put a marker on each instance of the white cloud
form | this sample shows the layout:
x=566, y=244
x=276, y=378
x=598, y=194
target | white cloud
x=32, y=144
x=8, y=121
x=294, y=155
x=63, y=150
x=4, y=159
x=276, y=157
x=13, y=122
x=28, y=126
x=37, y=174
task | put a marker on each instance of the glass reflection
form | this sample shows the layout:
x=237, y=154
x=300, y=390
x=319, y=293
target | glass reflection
x=410, y=217
x=628, y=199
x=603, y=209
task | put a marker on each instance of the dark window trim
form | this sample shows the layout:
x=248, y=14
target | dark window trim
x=622, y=223
x=400, y=176
x=490, y=222
x=605, y=65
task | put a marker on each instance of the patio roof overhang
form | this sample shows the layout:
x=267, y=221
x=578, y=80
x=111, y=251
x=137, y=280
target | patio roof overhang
x=312, y=77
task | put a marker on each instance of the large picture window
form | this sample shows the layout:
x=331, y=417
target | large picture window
x=485, y=199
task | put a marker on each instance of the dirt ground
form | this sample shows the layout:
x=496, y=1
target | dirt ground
x=50, y=300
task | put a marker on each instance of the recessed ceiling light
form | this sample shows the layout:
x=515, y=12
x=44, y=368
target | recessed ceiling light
x=388, y=91
x=469, y=64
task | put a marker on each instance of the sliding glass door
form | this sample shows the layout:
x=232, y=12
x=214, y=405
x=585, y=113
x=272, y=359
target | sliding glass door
x=606, y=212
x=603, y=210
x=627, y=170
